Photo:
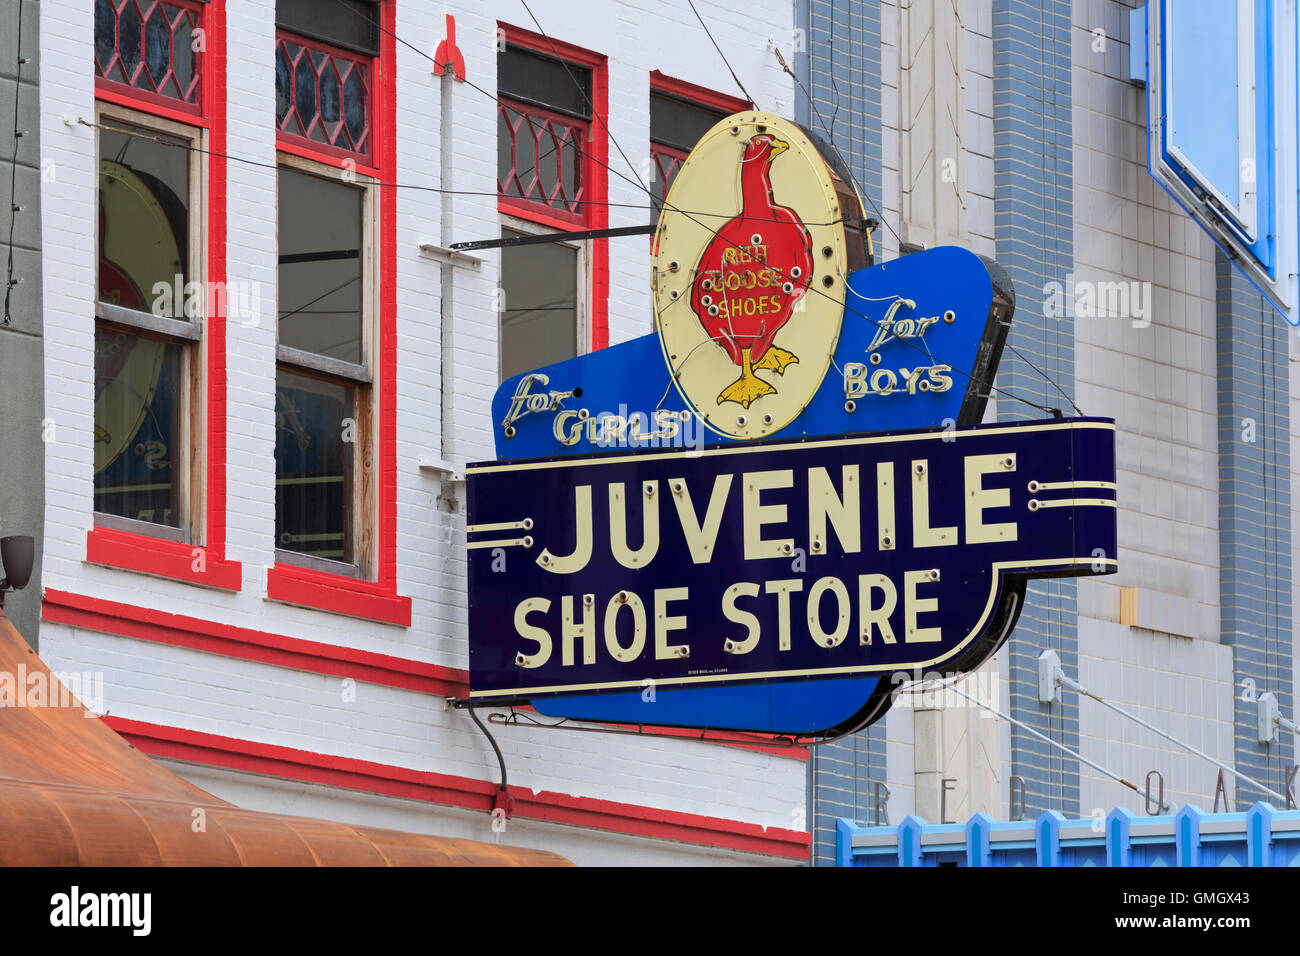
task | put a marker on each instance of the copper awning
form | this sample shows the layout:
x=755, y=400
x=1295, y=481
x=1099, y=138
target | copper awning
x=74, y=793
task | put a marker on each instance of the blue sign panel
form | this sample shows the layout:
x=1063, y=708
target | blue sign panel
x=937, y=307
x=914, y=350
x=777, y=560
x=622, y=562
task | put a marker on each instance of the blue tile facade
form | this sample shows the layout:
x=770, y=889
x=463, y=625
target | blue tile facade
x=1254, y=520
x=1034, y=223
x=840, y=67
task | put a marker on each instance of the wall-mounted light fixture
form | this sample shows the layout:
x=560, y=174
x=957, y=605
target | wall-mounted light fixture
x=17, y=555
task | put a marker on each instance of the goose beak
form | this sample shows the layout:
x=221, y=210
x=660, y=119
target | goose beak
x=778, y=147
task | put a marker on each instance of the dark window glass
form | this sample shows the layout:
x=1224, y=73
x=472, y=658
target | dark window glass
x=353, y=24
x=322, y=95
x=679, y=124
x=540, y=309
x=313, y=466
x=543, y=81
x=143, y=220
x=320, y=238
x=137, y=426
x=149, y=46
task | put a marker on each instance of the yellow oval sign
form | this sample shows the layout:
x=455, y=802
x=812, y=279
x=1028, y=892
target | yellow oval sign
x=749, y=275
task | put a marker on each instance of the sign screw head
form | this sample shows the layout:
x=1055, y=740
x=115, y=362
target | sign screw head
x=923, y=385
x=621, y=597
x=713, y=310
x=729, y=646
x=1034, y=504
x=950, y=316
x=756, y=239
x=520, y=660
x=887, y=542
x=787, y=548
x=706, y=300
x=934, y=574
x=787, y=288
x=795, y=272
x=874, y=358
x=528, y=541
x=679, y=487
x=588, y=599
x=741, y=421
x=1009, y=462
x=1033, y=487
x=919, y=468
x=649, y=489
x=674, y=266
x=850, y=406
x=767, y=419
x=683, y=650
x=510, y=431
x=816, y=546
x=674, y=295
x=528, y=524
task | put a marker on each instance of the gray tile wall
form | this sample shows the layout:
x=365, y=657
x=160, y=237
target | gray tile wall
x=22, y=386
x=1254, y=521
x=1034, y=220
x=841, y=70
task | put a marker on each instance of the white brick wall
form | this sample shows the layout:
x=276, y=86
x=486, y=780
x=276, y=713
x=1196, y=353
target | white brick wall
x=273, y=705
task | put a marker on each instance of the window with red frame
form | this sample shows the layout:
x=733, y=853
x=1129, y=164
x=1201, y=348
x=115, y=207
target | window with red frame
x=543, y=117
x=676, y=125
x=151, y=48
x=543, y=183
x=324, y=76
x=150, y=223
x=326, y=59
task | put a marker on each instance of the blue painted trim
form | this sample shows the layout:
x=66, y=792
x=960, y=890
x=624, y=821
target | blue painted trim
x=977, y=840
x=1259, y=834
x=1048, y=831
x=1187, y=836
x=844, y=842
x=1180, y=839
x=909, y=841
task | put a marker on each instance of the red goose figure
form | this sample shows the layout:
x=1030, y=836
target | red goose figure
x=752, y=274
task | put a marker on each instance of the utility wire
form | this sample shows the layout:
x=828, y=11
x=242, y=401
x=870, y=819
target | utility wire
x=822, y=121
x=720, y=53
x=1059, y=746
x=586, y=99
x=689, y=214
x=1079, y=688
x=10, y=281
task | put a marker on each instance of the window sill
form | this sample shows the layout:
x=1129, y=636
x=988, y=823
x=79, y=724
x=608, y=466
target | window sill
x=192, y=564
x=337, y=594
